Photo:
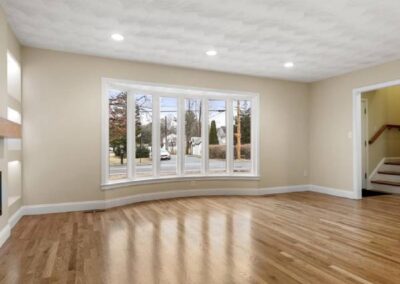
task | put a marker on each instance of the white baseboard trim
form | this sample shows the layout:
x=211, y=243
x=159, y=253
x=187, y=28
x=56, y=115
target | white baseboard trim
x=106, y=204
x=283, y=189
x=5, y=234
x=175, y=194
x=334, y=191
x=202, y=192
x=62, y=207
x=12, y=221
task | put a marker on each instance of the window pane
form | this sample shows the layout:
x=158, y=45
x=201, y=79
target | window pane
x=143, y=133
x=117, y=134
x=192, y=136
x=217, y=136
x=242, y=136
x=168, y=126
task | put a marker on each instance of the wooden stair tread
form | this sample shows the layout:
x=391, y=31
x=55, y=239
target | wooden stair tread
x=392, y=173
x=385, y=182
x=394, y=163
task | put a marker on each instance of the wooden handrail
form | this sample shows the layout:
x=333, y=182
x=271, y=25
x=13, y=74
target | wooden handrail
x=389, y=126
x=381, y=130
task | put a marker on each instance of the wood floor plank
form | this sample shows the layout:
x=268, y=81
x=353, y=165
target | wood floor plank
x=289, y=238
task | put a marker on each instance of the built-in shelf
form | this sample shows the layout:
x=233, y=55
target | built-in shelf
x=14, y=155
x=9, y=129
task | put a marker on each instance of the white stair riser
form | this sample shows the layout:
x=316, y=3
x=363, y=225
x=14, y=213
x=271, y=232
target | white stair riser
x=386, y=188
x=383, y=177
x=392, y=160
x=386, y=177
x=389, y=168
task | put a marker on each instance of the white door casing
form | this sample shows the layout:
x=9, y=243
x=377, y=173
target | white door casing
x=364, y=142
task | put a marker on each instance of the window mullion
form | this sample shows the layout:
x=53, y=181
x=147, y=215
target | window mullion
x=156, y=135
x=130, y=143
x=229, y=135
x=204, y=134
x=254, y=115
x=106, y=135
x=181, y=136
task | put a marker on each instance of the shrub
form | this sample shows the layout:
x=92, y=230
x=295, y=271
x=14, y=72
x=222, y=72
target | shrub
x=217, y=151
x=142, y=152
x=213, y=136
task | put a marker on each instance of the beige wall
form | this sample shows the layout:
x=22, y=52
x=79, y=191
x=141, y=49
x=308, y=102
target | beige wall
x=304, y=127
x=393, y=117
x=62, y=125
x=393, y=104
x=331, y=150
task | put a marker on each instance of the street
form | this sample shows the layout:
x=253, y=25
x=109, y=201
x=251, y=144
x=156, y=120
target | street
x=168, y=167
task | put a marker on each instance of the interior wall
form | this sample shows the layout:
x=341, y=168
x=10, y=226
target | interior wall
x=393, y=117
x=13, y=45
x=62, y=127
x=8, y=43
x=377, y=117
x=331, y=124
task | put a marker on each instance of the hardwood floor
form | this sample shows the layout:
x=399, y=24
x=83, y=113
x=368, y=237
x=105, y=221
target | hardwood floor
x=288, y=238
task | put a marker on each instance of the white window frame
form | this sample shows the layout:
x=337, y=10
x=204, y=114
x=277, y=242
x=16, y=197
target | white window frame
x=181, y=93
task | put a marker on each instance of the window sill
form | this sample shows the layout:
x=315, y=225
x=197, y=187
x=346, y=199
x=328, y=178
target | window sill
x=125, y=182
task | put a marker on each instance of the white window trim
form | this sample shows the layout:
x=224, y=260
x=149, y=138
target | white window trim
x=180, y=92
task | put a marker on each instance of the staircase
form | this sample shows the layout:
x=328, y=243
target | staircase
x=387, y=177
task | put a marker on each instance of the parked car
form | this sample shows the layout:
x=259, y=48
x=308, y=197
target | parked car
x=165, y=155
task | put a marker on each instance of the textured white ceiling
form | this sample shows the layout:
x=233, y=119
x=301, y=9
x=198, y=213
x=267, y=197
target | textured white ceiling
x=323, y=38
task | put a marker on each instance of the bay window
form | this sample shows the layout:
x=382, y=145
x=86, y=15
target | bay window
x=155, y=133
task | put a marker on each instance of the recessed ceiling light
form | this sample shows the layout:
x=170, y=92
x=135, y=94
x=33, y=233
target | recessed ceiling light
x=288, y=65
x=117, y=37
x=211, y=52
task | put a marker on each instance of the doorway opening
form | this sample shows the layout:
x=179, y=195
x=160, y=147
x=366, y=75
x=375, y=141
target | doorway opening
x=379, y=141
